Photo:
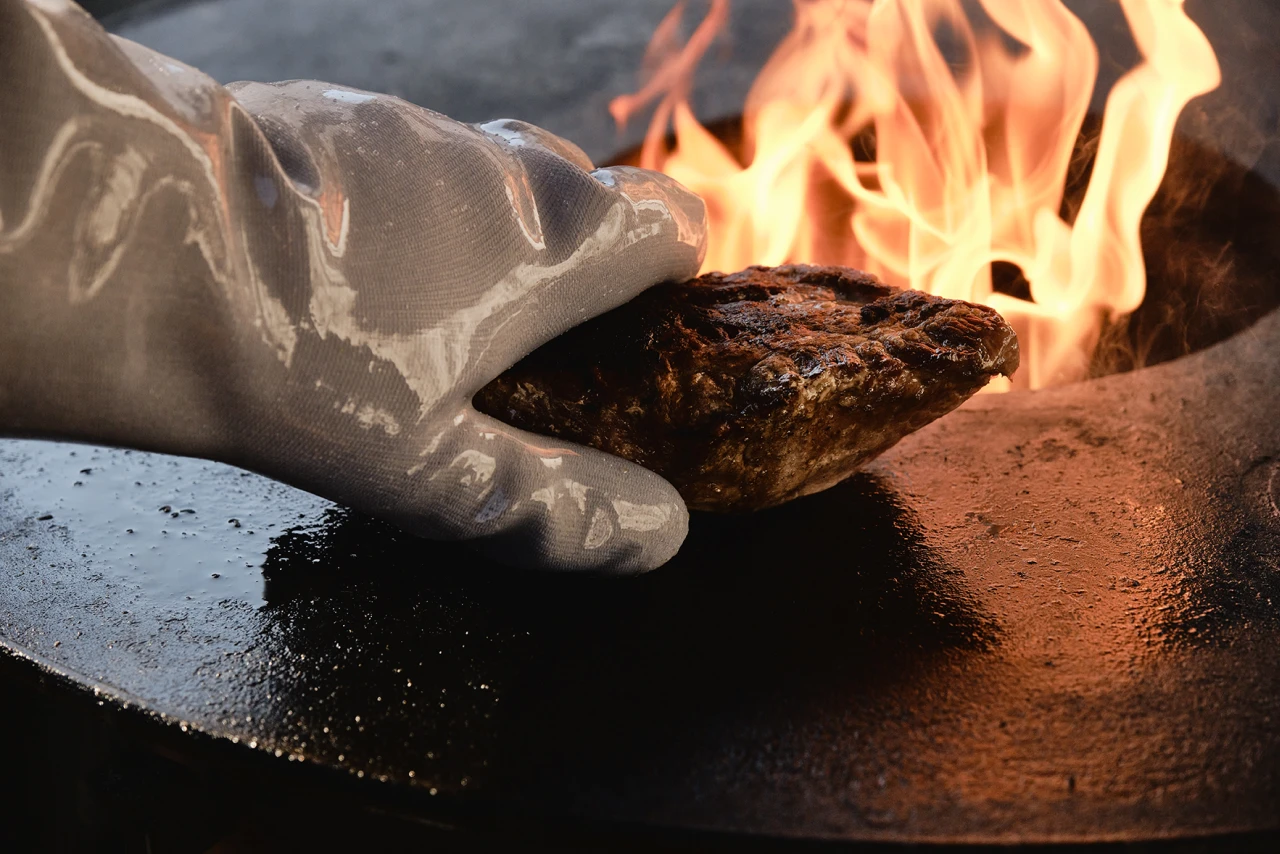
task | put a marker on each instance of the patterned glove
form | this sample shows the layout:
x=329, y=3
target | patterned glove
x=311, y=282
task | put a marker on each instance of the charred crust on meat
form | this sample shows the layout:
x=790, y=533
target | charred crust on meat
x=749, y=389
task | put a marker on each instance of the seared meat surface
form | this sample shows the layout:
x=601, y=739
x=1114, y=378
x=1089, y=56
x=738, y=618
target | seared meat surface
x=749, y=389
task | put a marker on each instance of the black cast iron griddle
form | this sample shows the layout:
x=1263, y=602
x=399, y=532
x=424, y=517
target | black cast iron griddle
x=1048, y=616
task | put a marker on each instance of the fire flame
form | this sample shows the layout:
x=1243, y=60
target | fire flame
x=975, y=121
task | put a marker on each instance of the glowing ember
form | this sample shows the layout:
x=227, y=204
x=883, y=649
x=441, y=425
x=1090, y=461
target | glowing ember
x=975, y=123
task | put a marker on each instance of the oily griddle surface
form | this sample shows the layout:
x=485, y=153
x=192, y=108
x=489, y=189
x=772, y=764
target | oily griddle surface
x=750, y=389
x=1050, y=616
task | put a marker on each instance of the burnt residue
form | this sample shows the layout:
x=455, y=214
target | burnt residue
x=753, y=388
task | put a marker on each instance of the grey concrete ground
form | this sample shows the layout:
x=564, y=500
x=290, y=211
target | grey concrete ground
x=558, y=62
x=553, y=62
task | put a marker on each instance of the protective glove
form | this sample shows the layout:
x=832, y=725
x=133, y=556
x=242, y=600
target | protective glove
x=311, y=282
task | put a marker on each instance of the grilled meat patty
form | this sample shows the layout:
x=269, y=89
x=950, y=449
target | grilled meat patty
x=749, y=389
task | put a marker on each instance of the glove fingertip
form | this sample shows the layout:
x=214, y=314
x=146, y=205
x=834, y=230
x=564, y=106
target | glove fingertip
x=531, y=501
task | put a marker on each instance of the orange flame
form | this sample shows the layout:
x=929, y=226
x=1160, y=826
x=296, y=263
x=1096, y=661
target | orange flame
x=971, y=155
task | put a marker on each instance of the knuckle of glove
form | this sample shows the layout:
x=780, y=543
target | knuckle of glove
x=571, y=205
x=520, y=134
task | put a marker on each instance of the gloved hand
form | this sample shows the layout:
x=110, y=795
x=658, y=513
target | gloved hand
x=311, y=282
